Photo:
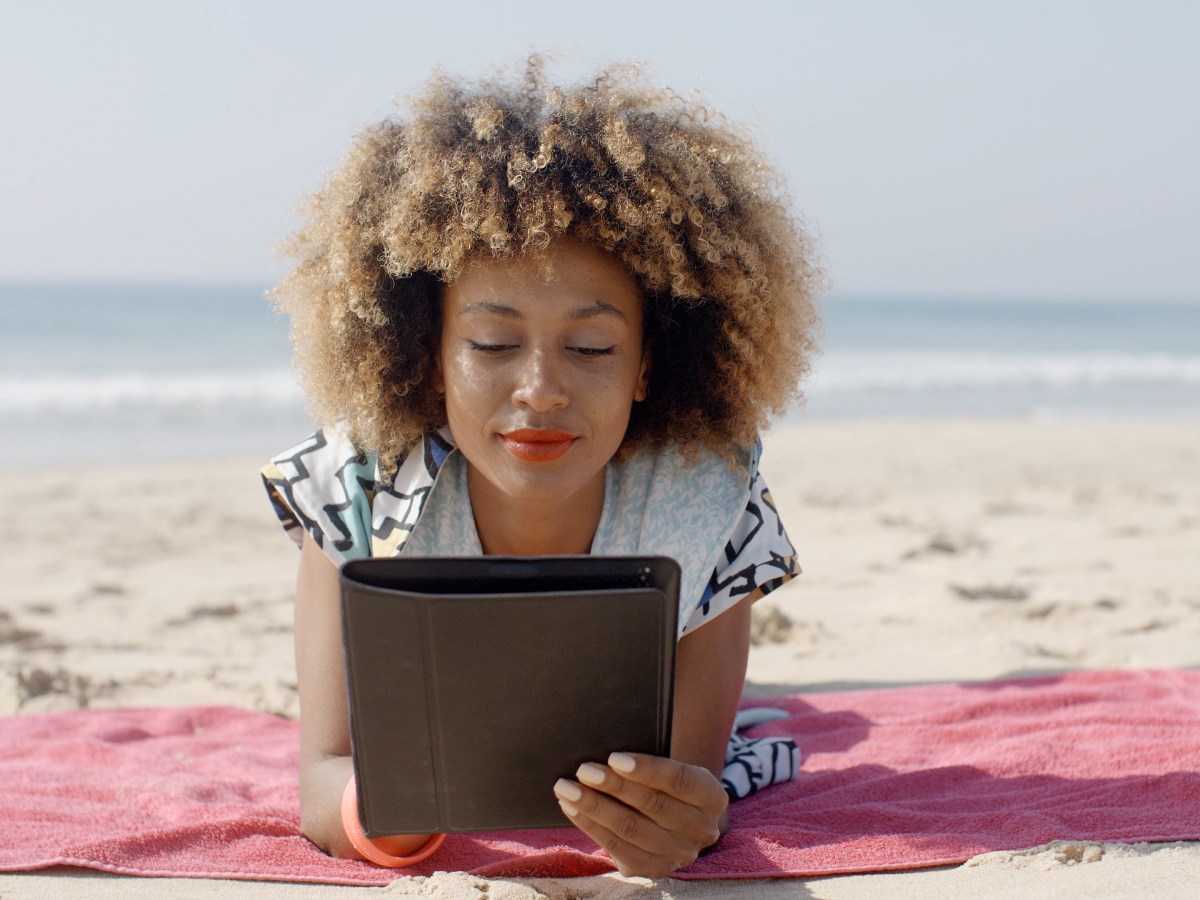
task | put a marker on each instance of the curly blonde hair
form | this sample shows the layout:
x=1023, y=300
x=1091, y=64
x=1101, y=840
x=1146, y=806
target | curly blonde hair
x=501, y=169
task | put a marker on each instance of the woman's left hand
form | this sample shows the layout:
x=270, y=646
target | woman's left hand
x=653, y=815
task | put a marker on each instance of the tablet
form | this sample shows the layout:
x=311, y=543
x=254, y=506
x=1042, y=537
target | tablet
x=475, y=683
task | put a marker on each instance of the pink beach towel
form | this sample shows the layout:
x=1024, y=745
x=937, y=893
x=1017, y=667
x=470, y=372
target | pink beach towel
x=892, y=779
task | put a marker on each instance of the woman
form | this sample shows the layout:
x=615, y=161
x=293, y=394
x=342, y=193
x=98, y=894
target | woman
x=537, y=320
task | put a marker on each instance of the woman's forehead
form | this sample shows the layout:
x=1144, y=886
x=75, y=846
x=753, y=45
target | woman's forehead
x=568, y=272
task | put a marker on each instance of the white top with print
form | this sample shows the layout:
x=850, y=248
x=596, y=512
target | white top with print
x=718, y=523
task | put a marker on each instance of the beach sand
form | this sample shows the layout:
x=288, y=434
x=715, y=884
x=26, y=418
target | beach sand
x=932, y=551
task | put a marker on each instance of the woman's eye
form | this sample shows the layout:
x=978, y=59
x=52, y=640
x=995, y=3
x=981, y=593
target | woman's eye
x=489, y=348
x=592, y=351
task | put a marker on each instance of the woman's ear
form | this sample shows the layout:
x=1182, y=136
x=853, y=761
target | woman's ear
x=642, y=390
x=439, y=383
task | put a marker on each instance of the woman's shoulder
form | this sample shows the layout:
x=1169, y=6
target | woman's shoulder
x=323, y=449
x=716, y=517
x=323, y=486
x=330, y=451
x=335, y=491
x=677, y=503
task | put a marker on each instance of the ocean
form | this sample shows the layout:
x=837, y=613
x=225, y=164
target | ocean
x=1048, y=359
x=104, y=373
x=145, y=373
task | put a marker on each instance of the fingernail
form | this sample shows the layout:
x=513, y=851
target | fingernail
x=568, y=808
x=590, y=774
x=622, y=762
x=568, y=790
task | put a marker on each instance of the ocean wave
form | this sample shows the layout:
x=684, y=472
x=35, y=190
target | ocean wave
x=912, y=371
x=836, y=373
x=148, y=391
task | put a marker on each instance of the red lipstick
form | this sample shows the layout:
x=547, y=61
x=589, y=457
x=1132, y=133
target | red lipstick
x=538, y=444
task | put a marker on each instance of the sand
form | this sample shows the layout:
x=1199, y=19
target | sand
x=933, y=551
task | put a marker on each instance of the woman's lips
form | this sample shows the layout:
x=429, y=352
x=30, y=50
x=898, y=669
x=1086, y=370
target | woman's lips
x=537, y=444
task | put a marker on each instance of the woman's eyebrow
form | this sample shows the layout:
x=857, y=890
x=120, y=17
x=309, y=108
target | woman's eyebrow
x=599, y=308
x=494, y=309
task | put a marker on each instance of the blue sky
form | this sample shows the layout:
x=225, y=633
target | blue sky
x=1034, y=149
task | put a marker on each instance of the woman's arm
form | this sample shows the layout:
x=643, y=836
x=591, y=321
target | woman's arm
x=325, y=766
x=710, y=673
x=655, y=815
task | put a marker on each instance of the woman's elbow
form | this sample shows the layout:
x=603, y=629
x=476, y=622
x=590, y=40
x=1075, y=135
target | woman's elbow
x=330, y=839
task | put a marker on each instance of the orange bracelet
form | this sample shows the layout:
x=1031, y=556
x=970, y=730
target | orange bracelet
x=367, y=847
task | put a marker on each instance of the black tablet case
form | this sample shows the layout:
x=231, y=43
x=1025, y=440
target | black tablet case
x=475, y=683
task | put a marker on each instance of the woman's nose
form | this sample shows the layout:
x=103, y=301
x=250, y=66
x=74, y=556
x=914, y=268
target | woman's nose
x=540, y=384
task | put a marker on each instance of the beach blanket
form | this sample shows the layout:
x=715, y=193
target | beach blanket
x=891, y=779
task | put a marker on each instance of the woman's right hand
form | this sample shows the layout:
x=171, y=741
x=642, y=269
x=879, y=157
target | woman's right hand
x=652, y=814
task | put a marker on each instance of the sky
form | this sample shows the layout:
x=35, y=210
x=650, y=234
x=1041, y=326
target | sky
x=1016, y=148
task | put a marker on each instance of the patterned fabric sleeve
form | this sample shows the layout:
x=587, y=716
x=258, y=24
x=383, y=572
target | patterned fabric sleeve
x=324, y=487
x=757, y=559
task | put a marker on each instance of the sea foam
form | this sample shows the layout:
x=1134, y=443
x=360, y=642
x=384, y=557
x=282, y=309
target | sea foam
x=862, y=371
x=149, y=391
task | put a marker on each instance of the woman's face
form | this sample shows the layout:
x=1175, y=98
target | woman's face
x=541, y=368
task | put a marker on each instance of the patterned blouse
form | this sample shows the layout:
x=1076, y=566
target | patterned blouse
x=721, y=526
